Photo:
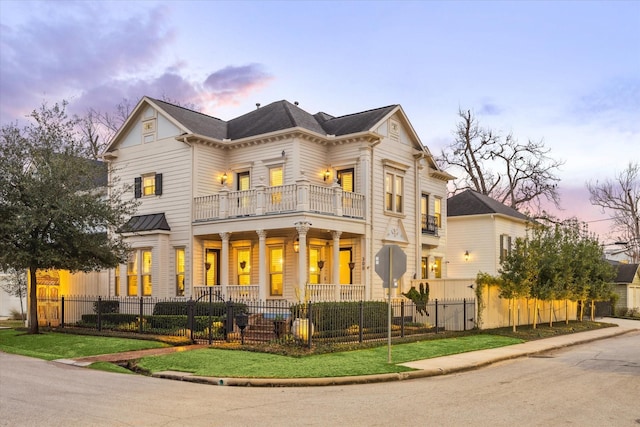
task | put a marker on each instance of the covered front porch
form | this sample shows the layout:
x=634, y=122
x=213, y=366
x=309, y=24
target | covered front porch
x=315, y=258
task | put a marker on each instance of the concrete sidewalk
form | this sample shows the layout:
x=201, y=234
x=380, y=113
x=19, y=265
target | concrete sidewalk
x=423, y=368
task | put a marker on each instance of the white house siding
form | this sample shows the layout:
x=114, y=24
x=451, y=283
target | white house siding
x=400, y=151
x=476, y=234
x=173, y=159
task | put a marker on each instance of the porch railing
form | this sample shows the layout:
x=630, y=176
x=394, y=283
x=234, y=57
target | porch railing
x=234, y=292
x=332, y=292
x=262, y=200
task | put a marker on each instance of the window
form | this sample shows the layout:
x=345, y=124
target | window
x=315, y=262
x=132, y=274
x=148, y=185
x=211, y=265
x=244, y=267
x=346, y=272
x=393, y=187
x=275, y=180
x=117, y=281
x=428, y=223
x=146, y=273
x=135, y=275
x=425, y=268
x=437, y=268
x=244, y=184
x=275, y=270
x=180, y=272
x=437, y=211
x=345, y=179
x=505, y=246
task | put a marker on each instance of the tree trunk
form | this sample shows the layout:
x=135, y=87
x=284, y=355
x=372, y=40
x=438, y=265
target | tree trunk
x=535, y=313
x=33, y=302
x=593, y=310
x=566, y=311
x=551, y=314
x=581, y=309
x=513, y=313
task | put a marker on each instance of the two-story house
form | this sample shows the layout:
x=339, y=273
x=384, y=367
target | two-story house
x=275, y=204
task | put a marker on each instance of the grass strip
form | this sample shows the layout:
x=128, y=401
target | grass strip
x=232, y=363
x=51, y=345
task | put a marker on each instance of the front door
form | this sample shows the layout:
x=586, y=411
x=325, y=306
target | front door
x=212, y=267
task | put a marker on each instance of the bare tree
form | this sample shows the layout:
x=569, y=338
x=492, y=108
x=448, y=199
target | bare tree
x=516, y=174
x=621, y=197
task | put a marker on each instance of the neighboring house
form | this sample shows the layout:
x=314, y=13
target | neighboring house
x=627, y=285
x=480, y=233
x=275, y=204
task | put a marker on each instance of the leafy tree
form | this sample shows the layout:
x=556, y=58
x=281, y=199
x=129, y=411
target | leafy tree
x=514, y=173
x=56, y=213
x=621, y=197
x=15, y=284
x=518, y=274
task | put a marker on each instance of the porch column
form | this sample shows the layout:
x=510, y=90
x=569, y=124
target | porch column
x=302, y=227
x=336, y=263
x=262, y=265
x=224, y=262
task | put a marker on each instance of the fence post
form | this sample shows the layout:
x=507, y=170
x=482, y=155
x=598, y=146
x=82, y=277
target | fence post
x=402, y=319
x=464, y=314
x=361, y=322
x=99, y=314
x=62, y=312
x=229, y=326
x=141, y=315
x=190, y=317
x=309, y=324
x=436, y=315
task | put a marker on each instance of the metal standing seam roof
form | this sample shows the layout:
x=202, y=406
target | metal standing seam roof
x=471, y=202
x=150, y=222
x=279, y=115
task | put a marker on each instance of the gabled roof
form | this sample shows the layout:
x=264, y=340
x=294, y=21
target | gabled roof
x=196, y=122
x=471, y=202
x=357, y=122
x=625, y=272
x=150, y=222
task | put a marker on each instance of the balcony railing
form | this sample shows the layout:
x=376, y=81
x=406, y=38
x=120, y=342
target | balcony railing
x=429, y=224
x=262, y=200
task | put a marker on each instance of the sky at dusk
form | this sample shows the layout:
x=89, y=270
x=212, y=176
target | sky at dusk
x=564, y=72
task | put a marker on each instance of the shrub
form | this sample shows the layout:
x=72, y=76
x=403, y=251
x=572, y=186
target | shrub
x=331, y=316
x=174, y=308
x=107, y=306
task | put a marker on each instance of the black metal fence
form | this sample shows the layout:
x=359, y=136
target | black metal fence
x=210, y=319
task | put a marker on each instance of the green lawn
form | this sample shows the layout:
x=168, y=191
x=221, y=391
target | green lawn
x=232, y=363
x=51, y=346
x=218, y=362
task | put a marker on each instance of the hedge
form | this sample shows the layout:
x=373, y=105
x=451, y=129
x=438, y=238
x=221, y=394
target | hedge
x=172, y=308
x=332, y=316
x=165, y=322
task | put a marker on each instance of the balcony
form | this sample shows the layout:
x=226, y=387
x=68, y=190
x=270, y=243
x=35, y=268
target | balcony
x=429, y=224
x=262, y=200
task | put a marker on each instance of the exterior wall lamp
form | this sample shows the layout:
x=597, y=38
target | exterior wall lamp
x=466, y=255
x=296, y=245
x=243, y=264
x=223, y=179
x=320, y=264
x=352, y=265
x=326, y=175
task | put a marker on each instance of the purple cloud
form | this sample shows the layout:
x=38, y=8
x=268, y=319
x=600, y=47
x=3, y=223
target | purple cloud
x=225, y=86
x=83, y=53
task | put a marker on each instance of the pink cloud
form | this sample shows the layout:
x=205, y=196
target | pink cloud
x=227, y=85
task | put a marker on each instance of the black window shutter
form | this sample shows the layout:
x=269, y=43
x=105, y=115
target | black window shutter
x=158, y=184
x=137, y=187
x=501, y=247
